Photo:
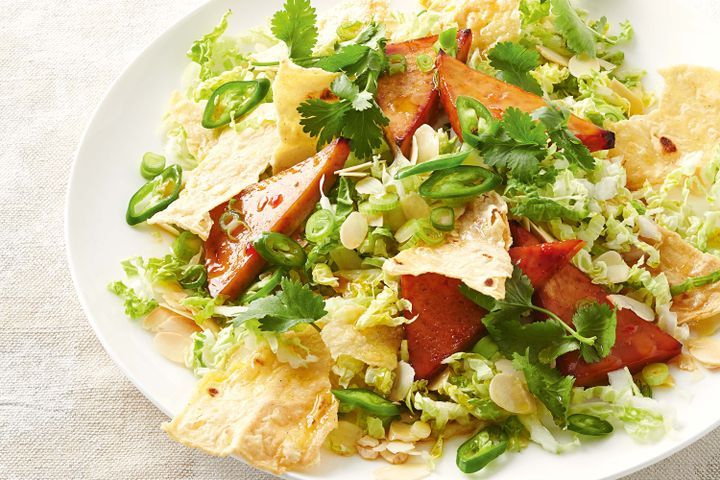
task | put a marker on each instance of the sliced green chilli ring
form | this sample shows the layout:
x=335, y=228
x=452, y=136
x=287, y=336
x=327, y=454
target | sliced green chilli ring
x=193, y=278
x=320, y=225
x=155, y=196
x=281, y=250
x=481, y=449
x=442, y=162
x=589, y=425
x=233, y=100
x=368, y=401
x=263, y=288
x=460, y=181
x=477, y=123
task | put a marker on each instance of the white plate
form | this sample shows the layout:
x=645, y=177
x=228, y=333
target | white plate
x=125, y=125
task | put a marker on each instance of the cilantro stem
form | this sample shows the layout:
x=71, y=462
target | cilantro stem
x=587, y=341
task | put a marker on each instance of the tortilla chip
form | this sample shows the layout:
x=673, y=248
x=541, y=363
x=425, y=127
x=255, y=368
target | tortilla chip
x=272, y=415
x=293, y=85
x=678, y=261
x=477, y=255
x=187, y=115
x=491, y=21
x=687, y=121
x=235, y=162
x=376, y=346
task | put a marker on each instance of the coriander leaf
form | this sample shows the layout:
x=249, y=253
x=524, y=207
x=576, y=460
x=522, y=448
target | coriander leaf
x=362, y=101
x=577, y=34
x=556, y=121
x=324, y=120
x=364, y=129
x=558, y=348
x=514, y=63
x=573, y=149
x=344, y=88
x=294, y=304
x=484, y=301
x=518, y=291
x=342, y=59
x=522, y=128
x=513, y=336
x=539, y=209
x=521, y=160
x=548, y=385
x=295, y=25
x=596, y=320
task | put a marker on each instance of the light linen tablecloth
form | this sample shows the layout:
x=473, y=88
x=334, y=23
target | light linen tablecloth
x=66, y=411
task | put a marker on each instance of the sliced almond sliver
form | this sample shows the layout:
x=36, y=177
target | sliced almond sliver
x=637, y=106
x=156, y=317
x=583, y=66
x=552, y=55
x=180, y=325
x=172, y=346
x=706, y=351
x=509, y=393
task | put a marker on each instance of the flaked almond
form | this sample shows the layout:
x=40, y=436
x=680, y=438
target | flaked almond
x=353, y=230
x=172, y=346
x=553, y=56
x=394, y=458
x=370, y=186
x=399, y=447
x=177, y=324
x=583, y=66
x=426, y=145
x=706, y=351
x=511, y=394
x=637, y=106
x=405, y=432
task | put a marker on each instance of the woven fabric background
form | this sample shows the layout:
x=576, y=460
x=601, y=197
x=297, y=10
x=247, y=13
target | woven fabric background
x=66, y=411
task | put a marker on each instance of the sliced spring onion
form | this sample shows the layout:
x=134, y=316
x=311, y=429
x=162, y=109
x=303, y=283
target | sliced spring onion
x=281, y=250
x=655, y=374
x=396, y=64
x=426, y=233
x=589, y=425
x=155, y=195
x=481, y=449
x=193, y=277
x=230, y=220
x=442, y=162
x=233, y=100
x=460, y=181
x=384, y=203
x=152, y=165
x=447, y=41
x=443, y=218
x=319, y=226
x=477, y=124
x=262, y=288
x=695, y=282
x=368, y=401
x=186, y=246
x=425, y=62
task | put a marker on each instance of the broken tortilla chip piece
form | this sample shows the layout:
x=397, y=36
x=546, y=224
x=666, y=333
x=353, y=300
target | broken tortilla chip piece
x=235, y=162
x=272, y=415
x=477, y=254
x=679, y=261
x=292, y=86
x=187, y=115
x=686, y=121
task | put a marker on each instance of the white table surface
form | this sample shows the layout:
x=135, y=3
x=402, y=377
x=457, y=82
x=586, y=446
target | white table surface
x=66, y=411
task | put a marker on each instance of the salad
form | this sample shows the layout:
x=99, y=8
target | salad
x=390, y=229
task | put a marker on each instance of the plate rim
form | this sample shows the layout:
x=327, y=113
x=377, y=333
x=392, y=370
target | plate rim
x=115, y=355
